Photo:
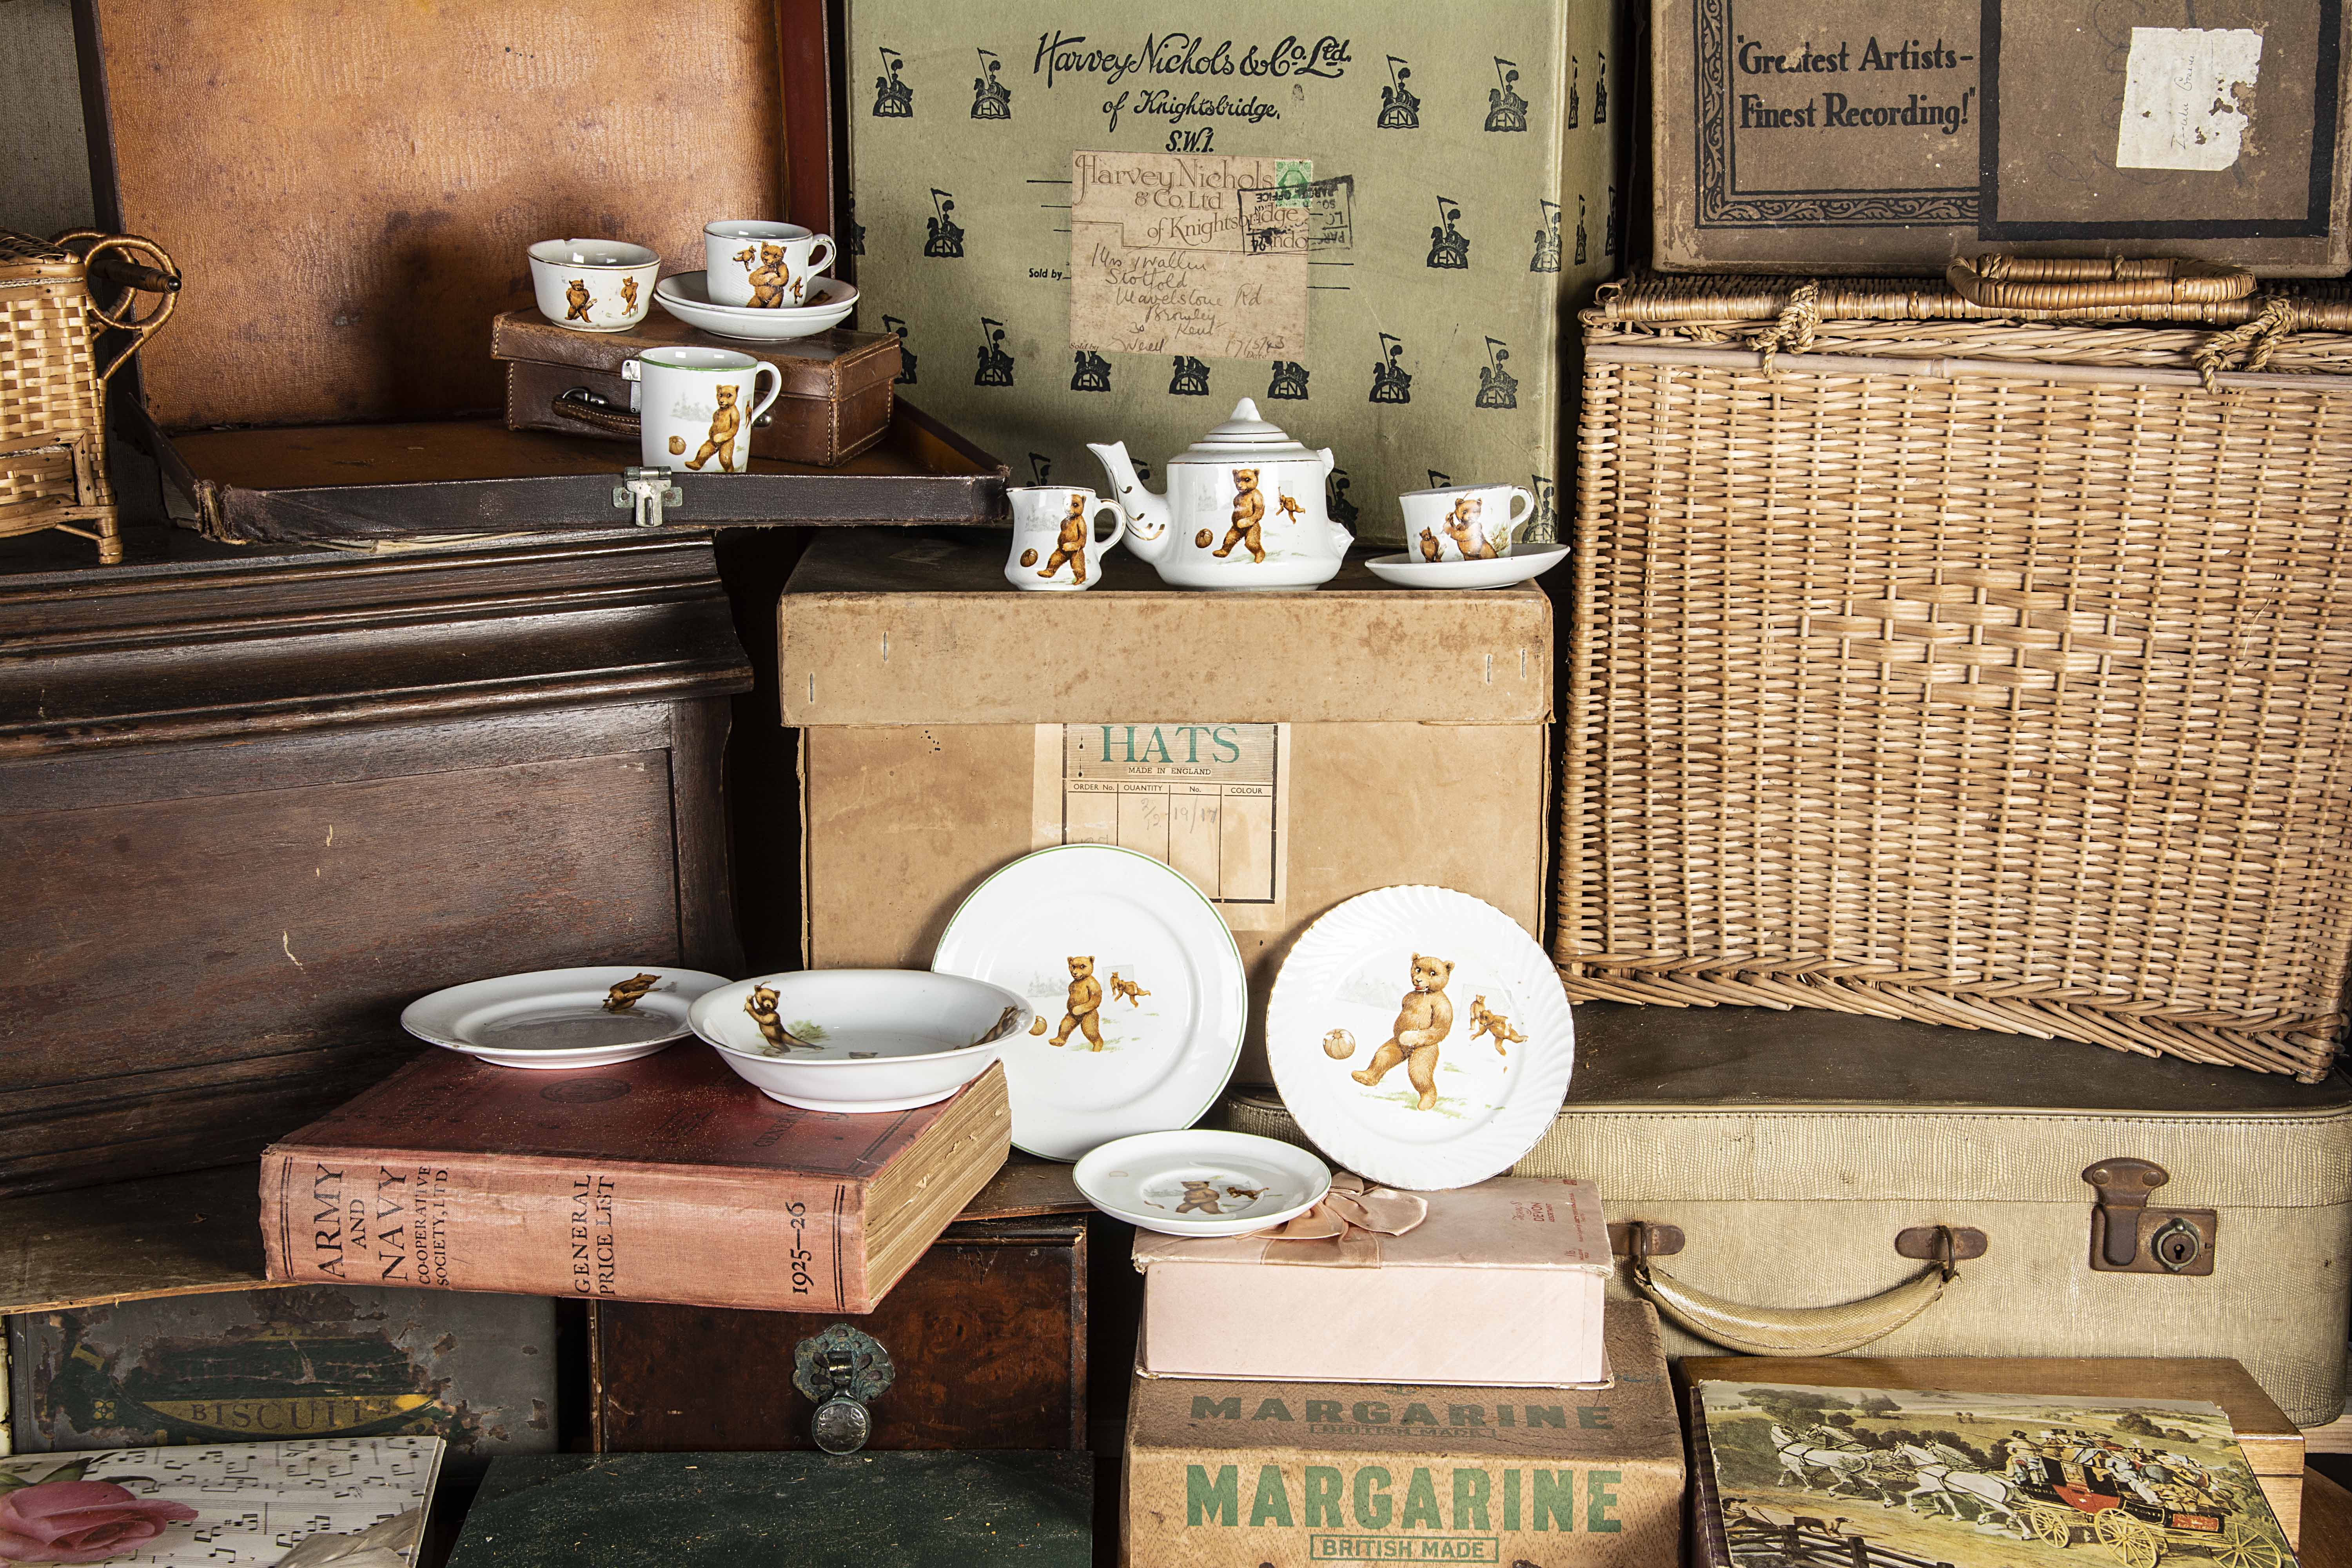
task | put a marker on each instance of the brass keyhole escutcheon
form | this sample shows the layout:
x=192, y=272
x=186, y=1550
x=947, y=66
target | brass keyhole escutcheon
x=2176, y=1243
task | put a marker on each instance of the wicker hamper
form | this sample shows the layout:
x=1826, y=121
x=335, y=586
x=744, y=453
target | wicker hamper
x=1974, y=651
x=52, y=381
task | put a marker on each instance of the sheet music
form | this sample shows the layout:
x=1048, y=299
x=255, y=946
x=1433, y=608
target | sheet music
x=255, y=1502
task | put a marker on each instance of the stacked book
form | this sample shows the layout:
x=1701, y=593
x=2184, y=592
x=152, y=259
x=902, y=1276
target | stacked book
x=1458, y=1392
x=663, y=1179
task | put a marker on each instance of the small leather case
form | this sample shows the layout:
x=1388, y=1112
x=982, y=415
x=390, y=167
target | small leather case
x=835, y=401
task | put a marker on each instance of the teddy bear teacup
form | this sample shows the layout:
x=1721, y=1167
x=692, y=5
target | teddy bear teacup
x=1054, y=542
x=763, y=264
x=593, y=285
x=1463, y=522
x=697, y=407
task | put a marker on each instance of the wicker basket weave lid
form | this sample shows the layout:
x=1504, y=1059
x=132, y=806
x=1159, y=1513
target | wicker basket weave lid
x=23, y=259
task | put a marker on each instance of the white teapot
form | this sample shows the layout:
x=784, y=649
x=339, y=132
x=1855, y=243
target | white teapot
x=1244, y=510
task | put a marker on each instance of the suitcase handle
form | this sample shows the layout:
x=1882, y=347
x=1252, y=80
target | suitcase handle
x=586, y=408
x=1797, y=1331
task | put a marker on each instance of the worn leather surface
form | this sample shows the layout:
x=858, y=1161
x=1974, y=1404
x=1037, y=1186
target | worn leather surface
x=1792, y=1148
x=350, y=191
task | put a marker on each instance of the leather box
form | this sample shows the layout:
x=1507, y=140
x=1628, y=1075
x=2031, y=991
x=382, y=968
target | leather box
x=253, y=805
x=1786, y=1175
x=834, y=403
x=326, y=378
x=984, y=1339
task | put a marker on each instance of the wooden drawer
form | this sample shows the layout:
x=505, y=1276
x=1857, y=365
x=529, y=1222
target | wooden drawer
x=987, y=1335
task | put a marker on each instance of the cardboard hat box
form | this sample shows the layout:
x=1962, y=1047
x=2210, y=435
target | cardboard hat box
x=1094, y=222
x=1284, y=751
x=1515, y=1268
x=1843, y=136
x=1293, y=1473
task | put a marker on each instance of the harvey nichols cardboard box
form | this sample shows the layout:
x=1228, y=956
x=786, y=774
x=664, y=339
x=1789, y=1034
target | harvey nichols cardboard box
x=1284, y=751
x=1090, y=221
x=1843, y=136
x=1289, y=1474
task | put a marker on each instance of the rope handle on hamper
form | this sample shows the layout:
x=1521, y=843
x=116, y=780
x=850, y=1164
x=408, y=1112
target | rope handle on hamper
x=2092, y=283
x=1792, y=1331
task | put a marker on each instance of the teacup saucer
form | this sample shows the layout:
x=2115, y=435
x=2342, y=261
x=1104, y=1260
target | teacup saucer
x=686, y=296
x=1517, y=565
x=1197, y=1182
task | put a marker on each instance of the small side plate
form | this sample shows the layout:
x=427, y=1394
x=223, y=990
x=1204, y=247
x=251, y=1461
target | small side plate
x=557, y=1019
x=1199, y=1182
x=1517, y=565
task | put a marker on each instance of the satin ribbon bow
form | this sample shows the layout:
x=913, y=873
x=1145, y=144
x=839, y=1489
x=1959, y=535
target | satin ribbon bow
x=1353, y=1213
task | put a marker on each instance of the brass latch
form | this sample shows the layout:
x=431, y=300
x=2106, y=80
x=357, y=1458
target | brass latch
x=645, y=492
x=2130, y=1238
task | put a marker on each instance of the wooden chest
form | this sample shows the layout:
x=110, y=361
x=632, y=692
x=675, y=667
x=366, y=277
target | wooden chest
x=250, y=806
x=986, y=1338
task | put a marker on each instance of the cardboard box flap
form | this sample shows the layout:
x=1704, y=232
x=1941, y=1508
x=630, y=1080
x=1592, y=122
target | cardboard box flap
x=890, y=628
x=351, y=196
x=830, y=364
x=1511, y=1222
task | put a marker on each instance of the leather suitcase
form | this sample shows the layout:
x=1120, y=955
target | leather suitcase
x=982, y=1343
x=1794, y=1179
x=325, y=378
x=834, y=402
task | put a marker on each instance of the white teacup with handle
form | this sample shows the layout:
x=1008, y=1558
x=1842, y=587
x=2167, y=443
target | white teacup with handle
x=1464, y=522
x=759, y=264
x=697, y=407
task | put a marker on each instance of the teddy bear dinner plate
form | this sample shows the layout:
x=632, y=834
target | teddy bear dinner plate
x=1420, y=1037
x=1137, y=985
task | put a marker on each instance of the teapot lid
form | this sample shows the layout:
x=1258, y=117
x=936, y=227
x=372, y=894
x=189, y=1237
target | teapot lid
x=1246, y=435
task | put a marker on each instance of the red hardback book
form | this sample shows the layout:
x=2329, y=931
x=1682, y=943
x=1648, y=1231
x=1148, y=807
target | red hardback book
x=664, y=1179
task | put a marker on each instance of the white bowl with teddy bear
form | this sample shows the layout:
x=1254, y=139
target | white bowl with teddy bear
x=858, y=1040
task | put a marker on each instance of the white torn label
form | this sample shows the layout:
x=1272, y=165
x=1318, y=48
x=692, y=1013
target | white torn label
x=2182, y=89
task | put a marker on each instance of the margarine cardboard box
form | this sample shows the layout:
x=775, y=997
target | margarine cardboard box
x=1284, y=751
x=1090, y=221
x=1291, y=1473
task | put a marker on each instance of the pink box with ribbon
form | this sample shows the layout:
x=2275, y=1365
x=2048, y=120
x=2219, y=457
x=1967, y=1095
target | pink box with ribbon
x=1497, y=1285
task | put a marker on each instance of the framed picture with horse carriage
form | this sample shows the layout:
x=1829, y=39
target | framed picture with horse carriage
x=1917, y=1478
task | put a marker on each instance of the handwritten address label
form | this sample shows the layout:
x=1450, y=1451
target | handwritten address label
x=1190, y=254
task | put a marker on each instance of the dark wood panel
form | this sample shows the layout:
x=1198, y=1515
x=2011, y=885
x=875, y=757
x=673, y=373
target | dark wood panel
x=188, y=652
x=222, y=930
x=312, y=758
x=988, y=1333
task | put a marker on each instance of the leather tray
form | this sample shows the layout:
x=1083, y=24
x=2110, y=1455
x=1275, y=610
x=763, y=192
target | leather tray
x=350, y=483
x=353, y=206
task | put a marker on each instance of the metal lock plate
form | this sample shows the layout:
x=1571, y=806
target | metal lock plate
x=2127, y=1236
x=842, y=1371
